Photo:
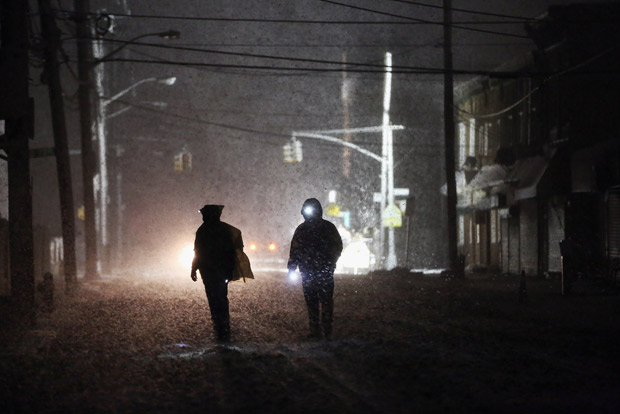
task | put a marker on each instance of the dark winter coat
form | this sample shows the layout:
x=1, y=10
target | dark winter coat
x=214, y=249
x=316, y=246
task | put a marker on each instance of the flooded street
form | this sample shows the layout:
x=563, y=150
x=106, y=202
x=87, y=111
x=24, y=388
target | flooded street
x=402, y=343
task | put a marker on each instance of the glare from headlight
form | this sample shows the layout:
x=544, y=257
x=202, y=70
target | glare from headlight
x=355, y=256
x=187, y=255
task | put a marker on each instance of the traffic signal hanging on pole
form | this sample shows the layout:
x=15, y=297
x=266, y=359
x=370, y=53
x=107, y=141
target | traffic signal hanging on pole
x=183, y=161
x=293, y=151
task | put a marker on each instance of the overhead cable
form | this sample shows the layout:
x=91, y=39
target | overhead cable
x=341, y=69
x=262, y=56
x=506, y=16
x=425, y=21
x=294, y=21
x=544, y=81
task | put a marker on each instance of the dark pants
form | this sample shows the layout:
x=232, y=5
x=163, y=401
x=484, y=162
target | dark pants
x=217, y=295
x=319, y=292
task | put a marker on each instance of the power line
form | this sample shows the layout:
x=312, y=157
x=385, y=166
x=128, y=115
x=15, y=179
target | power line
x=202, y=121
x=352, y=45
x=425, y=21
x=506, y=16
x=172, y=117
x=429, y=71
x=293, y=21
x=544, y=81
x=340, y=67
x=265, y=73
x=262, y=56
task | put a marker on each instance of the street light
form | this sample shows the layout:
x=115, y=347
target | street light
x=101, y=179
x=89, y=65
x=168, y=81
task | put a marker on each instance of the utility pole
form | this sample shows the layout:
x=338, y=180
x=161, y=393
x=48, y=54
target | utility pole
x=63, y=166
x=85, y=62
x=388, y=164
x=18, y=115
x=346, y=124
x=448, y=106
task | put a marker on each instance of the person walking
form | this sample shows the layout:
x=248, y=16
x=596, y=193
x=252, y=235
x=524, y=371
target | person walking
x=315, y=249
x=215, y=255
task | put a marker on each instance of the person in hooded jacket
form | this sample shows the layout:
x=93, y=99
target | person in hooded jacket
x=315, y=249
x=215, y=257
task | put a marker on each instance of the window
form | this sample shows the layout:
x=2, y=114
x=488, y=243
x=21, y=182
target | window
x=493, y=226
x=487, y=130
x=461, y=230
x=462, y=143
x=472, y=138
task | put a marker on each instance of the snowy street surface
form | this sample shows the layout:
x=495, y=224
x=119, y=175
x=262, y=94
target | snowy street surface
x=403, y=343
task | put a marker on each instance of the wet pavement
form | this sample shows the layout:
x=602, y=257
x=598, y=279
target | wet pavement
x=402, y=343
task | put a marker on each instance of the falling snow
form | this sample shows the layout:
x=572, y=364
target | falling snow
x=402, y=343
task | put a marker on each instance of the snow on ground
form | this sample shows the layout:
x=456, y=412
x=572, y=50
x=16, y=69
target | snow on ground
x=402, y=343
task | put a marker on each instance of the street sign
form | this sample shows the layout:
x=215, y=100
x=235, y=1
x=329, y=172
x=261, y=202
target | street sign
x=332, y=210
x=392, y=216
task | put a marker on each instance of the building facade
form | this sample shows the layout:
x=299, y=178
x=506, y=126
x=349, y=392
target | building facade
x=539, y=151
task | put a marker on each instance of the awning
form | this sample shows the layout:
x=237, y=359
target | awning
x=481, y=192
x=489, y=177
x=459, y=177
x=540, y=174
x=526, y=175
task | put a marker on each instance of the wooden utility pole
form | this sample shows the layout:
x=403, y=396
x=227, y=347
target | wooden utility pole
x=50, y=34
x=448, y=105
x=16, y=110
x=85, y=62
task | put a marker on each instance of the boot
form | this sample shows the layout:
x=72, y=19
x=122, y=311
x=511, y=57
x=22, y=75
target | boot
x=327, y=330
x=315, y=332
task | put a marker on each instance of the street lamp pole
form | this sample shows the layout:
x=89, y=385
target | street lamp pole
x=388, y=157
x=102, y=178
x=99, y=178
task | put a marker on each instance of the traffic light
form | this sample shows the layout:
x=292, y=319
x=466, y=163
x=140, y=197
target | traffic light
x=297, y=153
x=178, y=162
x=293, y=151
x=187, y=161
x=183, y=162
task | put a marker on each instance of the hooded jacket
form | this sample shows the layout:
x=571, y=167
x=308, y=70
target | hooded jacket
x=316, y=244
